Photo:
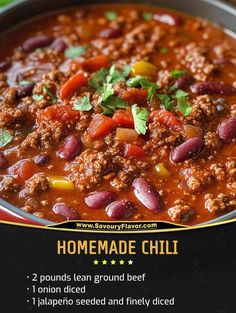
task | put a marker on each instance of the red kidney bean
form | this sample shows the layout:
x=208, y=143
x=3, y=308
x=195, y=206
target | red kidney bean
x=66, y=211
x=71, y=147
x=24, y=91
x=120, y=209
x=147, y=194
x=99, y=199
x=186, y=150
x=4, y=65
x=227, y=129
x=212, y=87
x=167, y=18
x=110, y=33
x=59, y=45
x=36, y=42
x=3, y=162
x=42, y=159
x=184, y=82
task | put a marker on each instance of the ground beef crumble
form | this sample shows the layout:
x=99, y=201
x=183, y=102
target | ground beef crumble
x=89, y=168
x=161, y=136
x=181, y=212
x=211, y=140
x=10, y=116
x=36, y=184
x=219, y=204
x=9, y=183
x=202, y=107
x=218, y=171
x=45, y=136
x=164, y=79
x=196, y=178
x=223, y=171
x=129, y=169
x=194, y=57
x=10, y=96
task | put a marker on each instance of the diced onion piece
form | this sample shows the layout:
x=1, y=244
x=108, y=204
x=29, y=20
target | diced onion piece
x=126, y=134
x=144, y=68
x=59, y=182
x=191, y=131
x=162, y=171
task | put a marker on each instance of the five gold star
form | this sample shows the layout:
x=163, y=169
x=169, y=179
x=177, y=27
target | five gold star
x=113, y=262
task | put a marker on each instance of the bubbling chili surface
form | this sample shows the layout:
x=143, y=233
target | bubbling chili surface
x=119, y=112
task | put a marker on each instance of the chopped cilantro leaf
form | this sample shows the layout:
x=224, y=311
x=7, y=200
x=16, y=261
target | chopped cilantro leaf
x=173, y=88
x=106, y=91
x=74, y=52
x=47, y=91
x=126, y=70
x=5, y=138
x=98, y=78
x=166, y=102
x=178, y=73
x=150, y=87
x=147, y=16
x=135, y=81
x=109, y=76
x=106, y=110
x=111, y=15
x=164, y=50
x=104, y=80
x=83, y=104
x=184, y=106
x=179, y=94
x=112, y=104
x=140, y=116
x=116, y=76
x=37, y=97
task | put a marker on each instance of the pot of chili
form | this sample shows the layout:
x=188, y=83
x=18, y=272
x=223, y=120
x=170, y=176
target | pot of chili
x=118, y=112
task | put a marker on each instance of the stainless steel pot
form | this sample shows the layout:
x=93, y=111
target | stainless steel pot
x=218, y=12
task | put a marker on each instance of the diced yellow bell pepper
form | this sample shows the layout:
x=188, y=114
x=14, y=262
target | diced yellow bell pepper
x=162, y=171
x=144, y=68
x=60, y=182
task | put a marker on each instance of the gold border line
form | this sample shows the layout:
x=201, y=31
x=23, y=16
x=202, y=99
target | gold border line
x=121, y=232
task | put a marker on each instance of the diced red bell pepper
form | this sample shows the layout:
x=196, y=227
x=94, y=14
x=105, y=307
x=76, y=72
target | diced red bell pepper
x=61, y=113
x=166, y=118
x=133, y=151
x=72, y=85
x=24, y=170
x=96, y=63
x=100, y=126
x=134, y=95
x=123, y=118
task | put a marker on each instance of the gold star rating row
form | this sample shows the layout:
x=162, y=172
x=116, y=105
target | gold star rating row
x=113, y=262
